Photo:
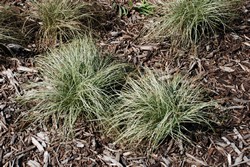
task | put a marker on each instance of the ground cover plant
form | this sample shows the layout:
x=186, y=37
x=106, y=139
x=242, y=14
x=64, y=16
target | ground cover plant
x=10, y=23
x=152, y=109
x=59, y=20
x=125, y=7
x=144, y=7
x=4, y=34
x=187, y=21
x=78, y=83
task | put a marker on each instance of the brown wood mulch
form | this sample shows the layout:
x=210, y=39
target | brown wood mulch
x=220, y=63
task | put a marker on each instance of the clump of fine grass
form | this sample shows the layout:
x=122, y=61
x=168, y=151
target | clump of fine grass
x=59, y=21
x=78, y=83
x=152, y=109
x=187, y=21
x=10, y=23
x=5, y=34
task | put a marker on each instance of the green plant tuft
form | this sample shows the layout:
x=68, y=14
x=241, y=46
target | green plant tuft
x=124, y=8
x=145, y=7
x=187, y=21
x=152, y=109
x=5, y=34
x=78, y=83
x=10, y=23
x=59, y=21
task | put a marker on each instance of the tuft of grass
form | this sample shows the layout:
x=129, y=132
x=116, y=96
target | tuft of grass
x=151, y=109
x=5, y=34
x=59, y=21
x=10, y=21
x=78, y=83
x=187, y=21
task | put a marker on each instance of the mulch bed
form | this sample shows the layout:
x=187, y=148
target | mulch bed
x=221, y=64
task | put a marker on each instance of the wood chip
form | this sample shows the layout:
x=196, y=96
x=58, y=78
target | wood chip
x=235, y=149
x=241, y=100
x=1, y=156
x=26, y=69
x=115, y=34
x=146, y=48
x=239, y=159
x=246, y=43
x=37, y=144
x=226, y=69
x=109, y=159
x=166, y=161
x=12, y=80
x=240, y=136
x=197, y=160
x=46, y=159
x=79, y=144
x=229, y=159
x=232, y=144
x=242, y=162
x=43, y=136
x=127, y=154
x=33, y=163
x=25, y=151
x=244, y=68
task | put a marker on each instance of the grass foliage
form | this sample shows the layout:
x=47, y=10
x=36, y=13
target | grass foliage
x=145, y=7
x=152, y=109
x=78, y=82
x=5, y=34
x=10, y=23
x=125, y=7
x=59, y=20
x=187, y=21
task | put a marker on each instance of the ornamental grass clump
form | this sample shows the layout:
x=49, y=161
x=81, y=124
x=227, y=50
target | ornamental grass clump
x=5, y=34
x=152, y=109
x=78, y=83
x=187, y=21
x=10, y=23
x=59, y=21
